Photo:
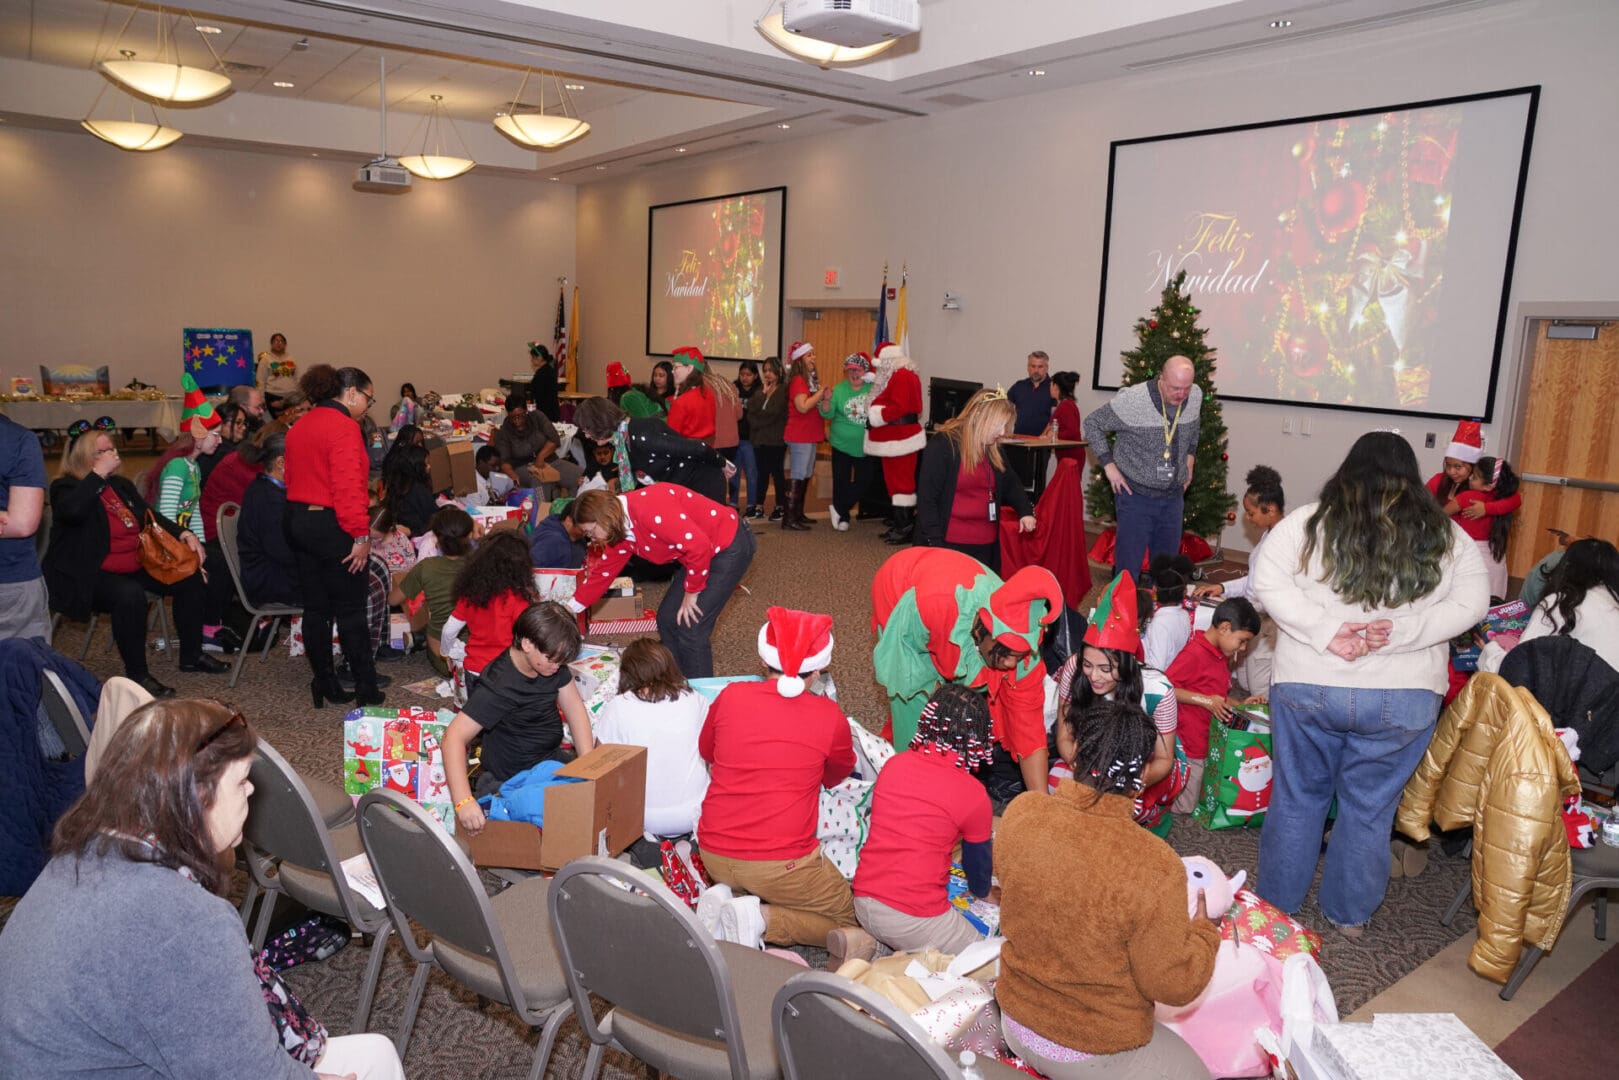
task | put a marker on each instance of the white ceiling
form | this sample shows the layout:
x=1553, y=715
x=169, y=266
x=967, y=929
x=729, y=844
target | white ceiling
x=664, y=74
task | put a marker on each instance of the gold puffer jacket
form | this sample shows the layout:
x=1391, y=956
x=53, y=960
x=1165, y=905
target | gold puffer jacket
x=1496, y=764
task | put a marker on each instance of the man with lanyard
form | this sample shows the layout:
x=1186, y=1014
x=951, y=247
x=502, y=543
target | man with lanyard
x=1148, y=460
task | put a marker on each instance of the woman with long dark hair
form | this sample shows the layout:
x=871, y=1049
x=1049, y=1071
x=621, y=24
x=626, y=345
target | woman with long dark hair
x=329, y=529
x=126, y=957
x=767, y=427
x=407, y=490
x=1581, y=601
x=543, y=382
x=646, y=447
x=1367, y=587
x=747, y=384
x=661, y=388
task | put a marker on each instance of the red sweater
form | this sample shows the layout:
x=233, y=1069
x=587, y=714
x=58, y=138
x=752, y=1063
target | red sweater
x=327, y=466
x=227, y=483
x=667, y=523
x=692, y=414
x=769, y=756
x=803, y=426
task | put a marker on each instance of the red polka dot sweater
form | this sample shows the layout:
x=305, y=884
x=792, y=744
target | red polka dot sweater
x=667, y=523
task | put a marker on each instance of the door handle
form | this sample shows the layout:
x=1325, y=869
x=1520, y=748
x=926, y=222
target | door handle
x=1571, y=481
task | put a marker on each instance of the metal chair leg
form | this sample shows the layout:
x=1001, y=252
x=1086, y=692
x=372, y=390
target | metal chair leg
x=1601, y=906
x=236, y=668
x=89, y=632
x=163, y=626
x=548, y=1038
x=418, y=984
x=266, y=909
x=1526, y=964
x=1455, y=907
x=373, y=972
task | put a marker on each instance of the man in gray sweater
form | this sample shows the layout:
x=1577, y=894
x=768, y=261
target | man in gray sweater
x=1149, y=462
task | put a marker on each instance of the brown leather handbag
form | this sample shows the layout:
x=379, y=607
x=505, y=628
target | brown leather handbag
x=165, y=556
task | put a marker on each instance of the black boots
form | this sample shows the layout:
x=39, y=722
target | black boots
x=793, y=519
x=801, y=489
x=904, y=526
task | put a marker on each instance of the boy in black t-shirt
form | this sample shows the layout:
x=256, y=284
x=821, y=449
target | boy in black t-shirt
x=518, y=706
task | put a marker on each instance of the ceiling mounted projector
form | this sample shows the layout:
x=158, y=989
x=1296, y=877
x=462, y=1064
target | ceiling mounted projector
x=852, y=23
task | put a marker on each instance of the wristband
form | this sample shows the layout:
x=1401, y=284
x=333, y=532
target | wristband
x=456, y=809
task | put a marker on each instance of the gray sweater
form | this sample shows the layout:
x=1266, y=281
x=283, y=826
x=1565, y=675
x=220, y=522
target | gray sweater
x=129, y=970
x=1137, y=417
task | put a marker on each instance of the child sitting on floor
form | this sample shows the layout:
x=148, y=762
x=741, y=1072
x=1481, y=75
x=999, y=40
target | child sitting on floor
x=656, y=708
x=518, y=708
x=1263, y=505
x=1165, y=625
x=494, y=587
x=428, y=590
x=924, y=803
x=1201, y=675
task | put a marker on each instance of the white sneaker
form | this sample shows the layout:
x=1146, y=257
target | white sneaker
x=838, y=522
x=710, y=905
x=743, y=923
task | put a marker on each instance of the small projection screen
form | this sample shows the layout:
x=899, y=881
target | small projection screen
x=1355, y=261
x=714, y=275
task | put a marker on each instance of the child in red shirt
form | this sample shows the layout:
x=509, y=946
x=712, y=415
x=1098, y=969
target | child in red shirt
x=1201, y=675
x=495, y=586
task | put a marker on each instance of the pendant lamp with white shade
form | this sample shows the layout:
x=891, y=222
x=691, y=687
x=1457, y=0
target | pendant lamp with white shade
x=131, y=134
x=165, y=79
x=431, y=162
x=542, y=130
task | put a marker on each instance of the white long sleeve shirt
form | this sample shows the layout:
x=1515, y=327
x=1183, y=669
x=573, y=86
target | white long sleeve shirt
x=1308, y=614
x=1596, y=625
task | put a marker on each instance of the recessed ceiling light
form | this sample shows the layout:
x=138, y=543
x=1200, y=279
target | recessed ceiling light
x=314, y=155
x=1037, y=72
x=784, y=127
x=303, y=43
x=680, y=149
x=573, y=86
x=1280, y=24
x=209, y=30
x=553, y=178
x=601, y=168
x=283, y=84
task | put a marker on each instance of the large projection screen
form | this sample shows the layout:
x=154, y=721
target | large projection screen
x=1354, y=261
x=714, y=275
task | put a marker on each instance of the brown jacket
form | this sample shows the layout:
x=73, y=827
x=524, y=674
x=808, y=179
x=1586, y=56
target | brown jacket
x=1094, y=911
x=1496, y=764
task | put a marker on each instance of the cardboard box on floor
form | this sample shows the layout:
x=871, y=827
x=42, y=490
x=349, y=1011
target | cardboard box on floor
x=611, y=608
x=603, y=813
x=450, y=465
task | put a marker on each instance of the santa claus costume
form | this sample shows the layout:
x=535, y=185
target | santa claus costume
x=894, y=435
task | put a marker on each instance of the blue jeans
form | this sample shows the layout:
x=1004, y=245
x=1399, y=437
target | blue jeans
x=1147, y=524
x=747, y=468
x=1359, y=746
x=801, y=460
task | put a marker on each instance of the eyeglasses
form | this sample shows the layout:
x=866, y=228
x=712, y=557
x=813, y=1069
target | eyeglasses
x=235, y=718
x=370, y=398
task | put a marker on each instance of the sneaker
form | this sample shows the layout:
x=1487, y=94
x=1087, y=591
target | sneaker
x=849, y=943
x=775, y=515
x=715, y=899
x=755, y=512
x=1351, y=932
x=839, y=522
x=742, y=923
x=223, y=640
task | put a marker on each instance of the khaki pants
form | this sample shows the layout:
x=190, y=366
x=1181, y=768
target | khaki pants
x=1186, y=801
x=808, y=898
x=949, y=933
x=1254, y=671
x=1165, y=1057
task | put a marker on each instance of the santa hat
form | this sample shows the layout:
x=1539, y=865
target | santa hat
x=1254, y=752
x=795, y=642
x=858, y=360
x=1114, y=624
x=1012, y=616
x=799, y=350
x=196, y=410
x=1468, y=442
x=617, y=376
x=689, y=354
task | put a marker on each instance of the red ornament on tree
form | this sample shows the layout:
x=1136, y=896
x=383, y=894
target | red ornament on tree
x=1225, y=457
x=1231, y=515
x=1152, y=324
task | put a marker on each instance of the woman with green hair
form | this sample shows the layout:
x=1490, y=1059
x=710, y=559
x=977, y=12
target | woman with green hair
x=1367, y=587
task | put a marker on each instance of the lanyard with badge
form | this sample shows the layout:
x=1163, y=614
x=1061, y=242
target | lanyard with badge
x=1166, y=467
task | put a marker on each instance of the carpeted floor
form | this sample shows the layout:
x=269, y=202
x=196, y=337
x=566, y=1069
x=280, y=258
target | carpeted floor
x=820, y=570
x=1568, y=1035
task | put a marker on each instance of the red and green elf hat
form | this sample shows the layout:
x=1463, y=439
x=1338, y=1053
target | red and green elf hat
x=689, y=354
x=1114, y=624
x=196, y=409
x=1025, y=602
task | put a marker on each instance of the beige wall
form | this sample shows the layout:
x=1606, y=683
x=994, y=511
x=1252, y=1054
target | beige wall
x=1003, y=204
x=109, y=254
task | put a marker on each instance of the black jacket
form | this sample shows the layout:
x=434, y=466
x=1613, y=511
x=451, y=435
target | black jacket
x=766, y=417
x=269, y=569
x=671, y=458
x=80, y=537
x=1577, y=687
x=936, y=490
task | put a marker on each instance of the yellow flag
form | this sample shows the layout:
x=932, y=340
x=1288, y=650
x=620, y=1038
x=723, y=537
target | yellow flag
x=573, y=343
x=902, y=329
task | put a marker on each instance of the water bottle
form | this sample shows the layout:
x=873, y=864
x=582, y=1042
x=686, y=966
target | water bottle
x=1610, y=829
x=969, y=1066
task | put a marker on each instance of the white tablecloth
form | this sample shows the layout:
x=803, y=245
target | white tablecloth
x=163, y=415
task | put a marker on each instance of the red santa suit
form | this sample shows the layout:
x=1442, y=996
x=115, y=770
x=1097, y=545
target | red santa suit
x=894, y=431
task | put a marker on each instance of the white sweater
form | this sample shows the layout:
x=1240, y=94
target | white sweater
x=676, y=777
x=1308, y=614
x=1596, y=625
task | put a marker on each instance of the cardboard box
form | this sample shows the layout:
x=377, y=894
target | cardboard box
x=604, y=813
x=611, y=608
x=450, y=466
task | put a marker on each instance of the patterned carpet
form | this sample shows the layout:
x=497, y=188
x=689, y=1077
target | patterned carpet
x=820, y=570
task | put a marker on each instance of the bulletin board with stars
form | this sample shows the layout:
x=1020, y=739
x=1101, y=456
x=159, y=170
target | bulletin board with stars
x=218, y=357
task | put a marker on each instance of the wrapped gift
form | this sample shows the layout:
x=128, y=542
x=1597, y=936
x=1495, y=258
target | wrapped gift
x=845, y=812
x=401, y=750
x=1510, y=617
x=295, y=639
x=985, y=917
x=556, y=583
x=1260, y=923
x=1237, y=772
x=595, y=673
x=1429, y=1046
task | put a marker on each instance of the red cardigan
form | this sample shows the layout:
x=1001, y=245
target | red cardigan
x=327, y=466
x=692, y=414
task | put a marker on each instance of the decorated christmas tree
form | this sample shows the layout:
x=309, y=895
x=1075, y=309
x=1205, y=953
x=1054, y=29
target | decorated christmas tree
x=1172, y=330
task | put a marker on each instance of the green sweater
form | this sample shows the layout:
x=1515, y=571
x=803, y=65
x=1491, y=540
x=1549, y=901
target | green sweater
x=847, y=410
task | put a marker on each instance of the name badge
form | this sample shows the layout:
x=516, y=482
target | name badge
x=1165, y=472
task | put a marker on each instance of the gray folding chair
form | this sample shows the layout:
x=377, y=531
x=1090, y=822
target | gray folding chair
x=63, y=712
x=826, y=1025
x=290, y=850
x=226, y=523
x=681, y=1002
x=499, y=948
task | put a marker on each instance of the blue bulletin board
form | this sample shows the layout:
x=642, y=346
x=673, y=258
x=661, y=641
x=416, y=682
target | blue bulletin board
x=217, y=357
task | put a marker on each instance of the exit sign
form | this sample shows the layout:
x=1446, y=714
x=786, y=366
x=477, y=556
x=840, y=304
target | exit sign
x=832, y=279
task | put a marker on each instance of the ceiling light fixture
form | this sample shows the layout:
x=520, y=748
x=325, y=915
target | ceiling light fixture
x=1280, y=24
x=436, y=164
x=680, y=149
x=784, y=127
x=132, y=134
x=822, y=53
x=1037, y=72
x=601, y=168
x=553, y=178
x=165, y=79
x=209, y=30
x=573, y=86
x=283, y=84
x=542, y=130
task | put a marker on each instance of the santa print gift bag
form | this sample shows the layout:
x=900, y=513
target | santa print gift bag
x=1236, y=776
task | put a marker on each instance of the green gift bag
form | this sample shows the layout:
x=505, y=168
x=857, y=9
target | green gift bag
x=1237, y=772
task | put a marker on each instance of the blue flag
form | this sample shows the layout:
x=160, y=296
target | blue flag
x=882, y=316
x=215, y=357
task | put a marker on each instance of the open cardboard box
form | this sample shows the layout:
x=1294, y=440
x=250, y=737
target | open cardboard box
x=611, y=608
x=450, y=466
x=602, y=814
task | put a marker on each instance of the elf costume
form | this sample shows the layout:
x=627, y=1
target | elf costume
x=180, y=484
x=925, y=603
x=894, y=435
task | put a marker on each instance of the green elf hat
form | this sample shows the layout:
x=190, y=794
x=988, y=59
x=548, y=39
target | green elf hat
x=1114, y=623
x=689, y=354
x=1025, y=602
x=195, y=409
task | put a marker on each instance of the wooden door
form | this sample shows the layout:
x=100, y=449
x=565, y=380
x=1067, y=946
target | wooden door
x=1570, y=432
x=837, y=333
